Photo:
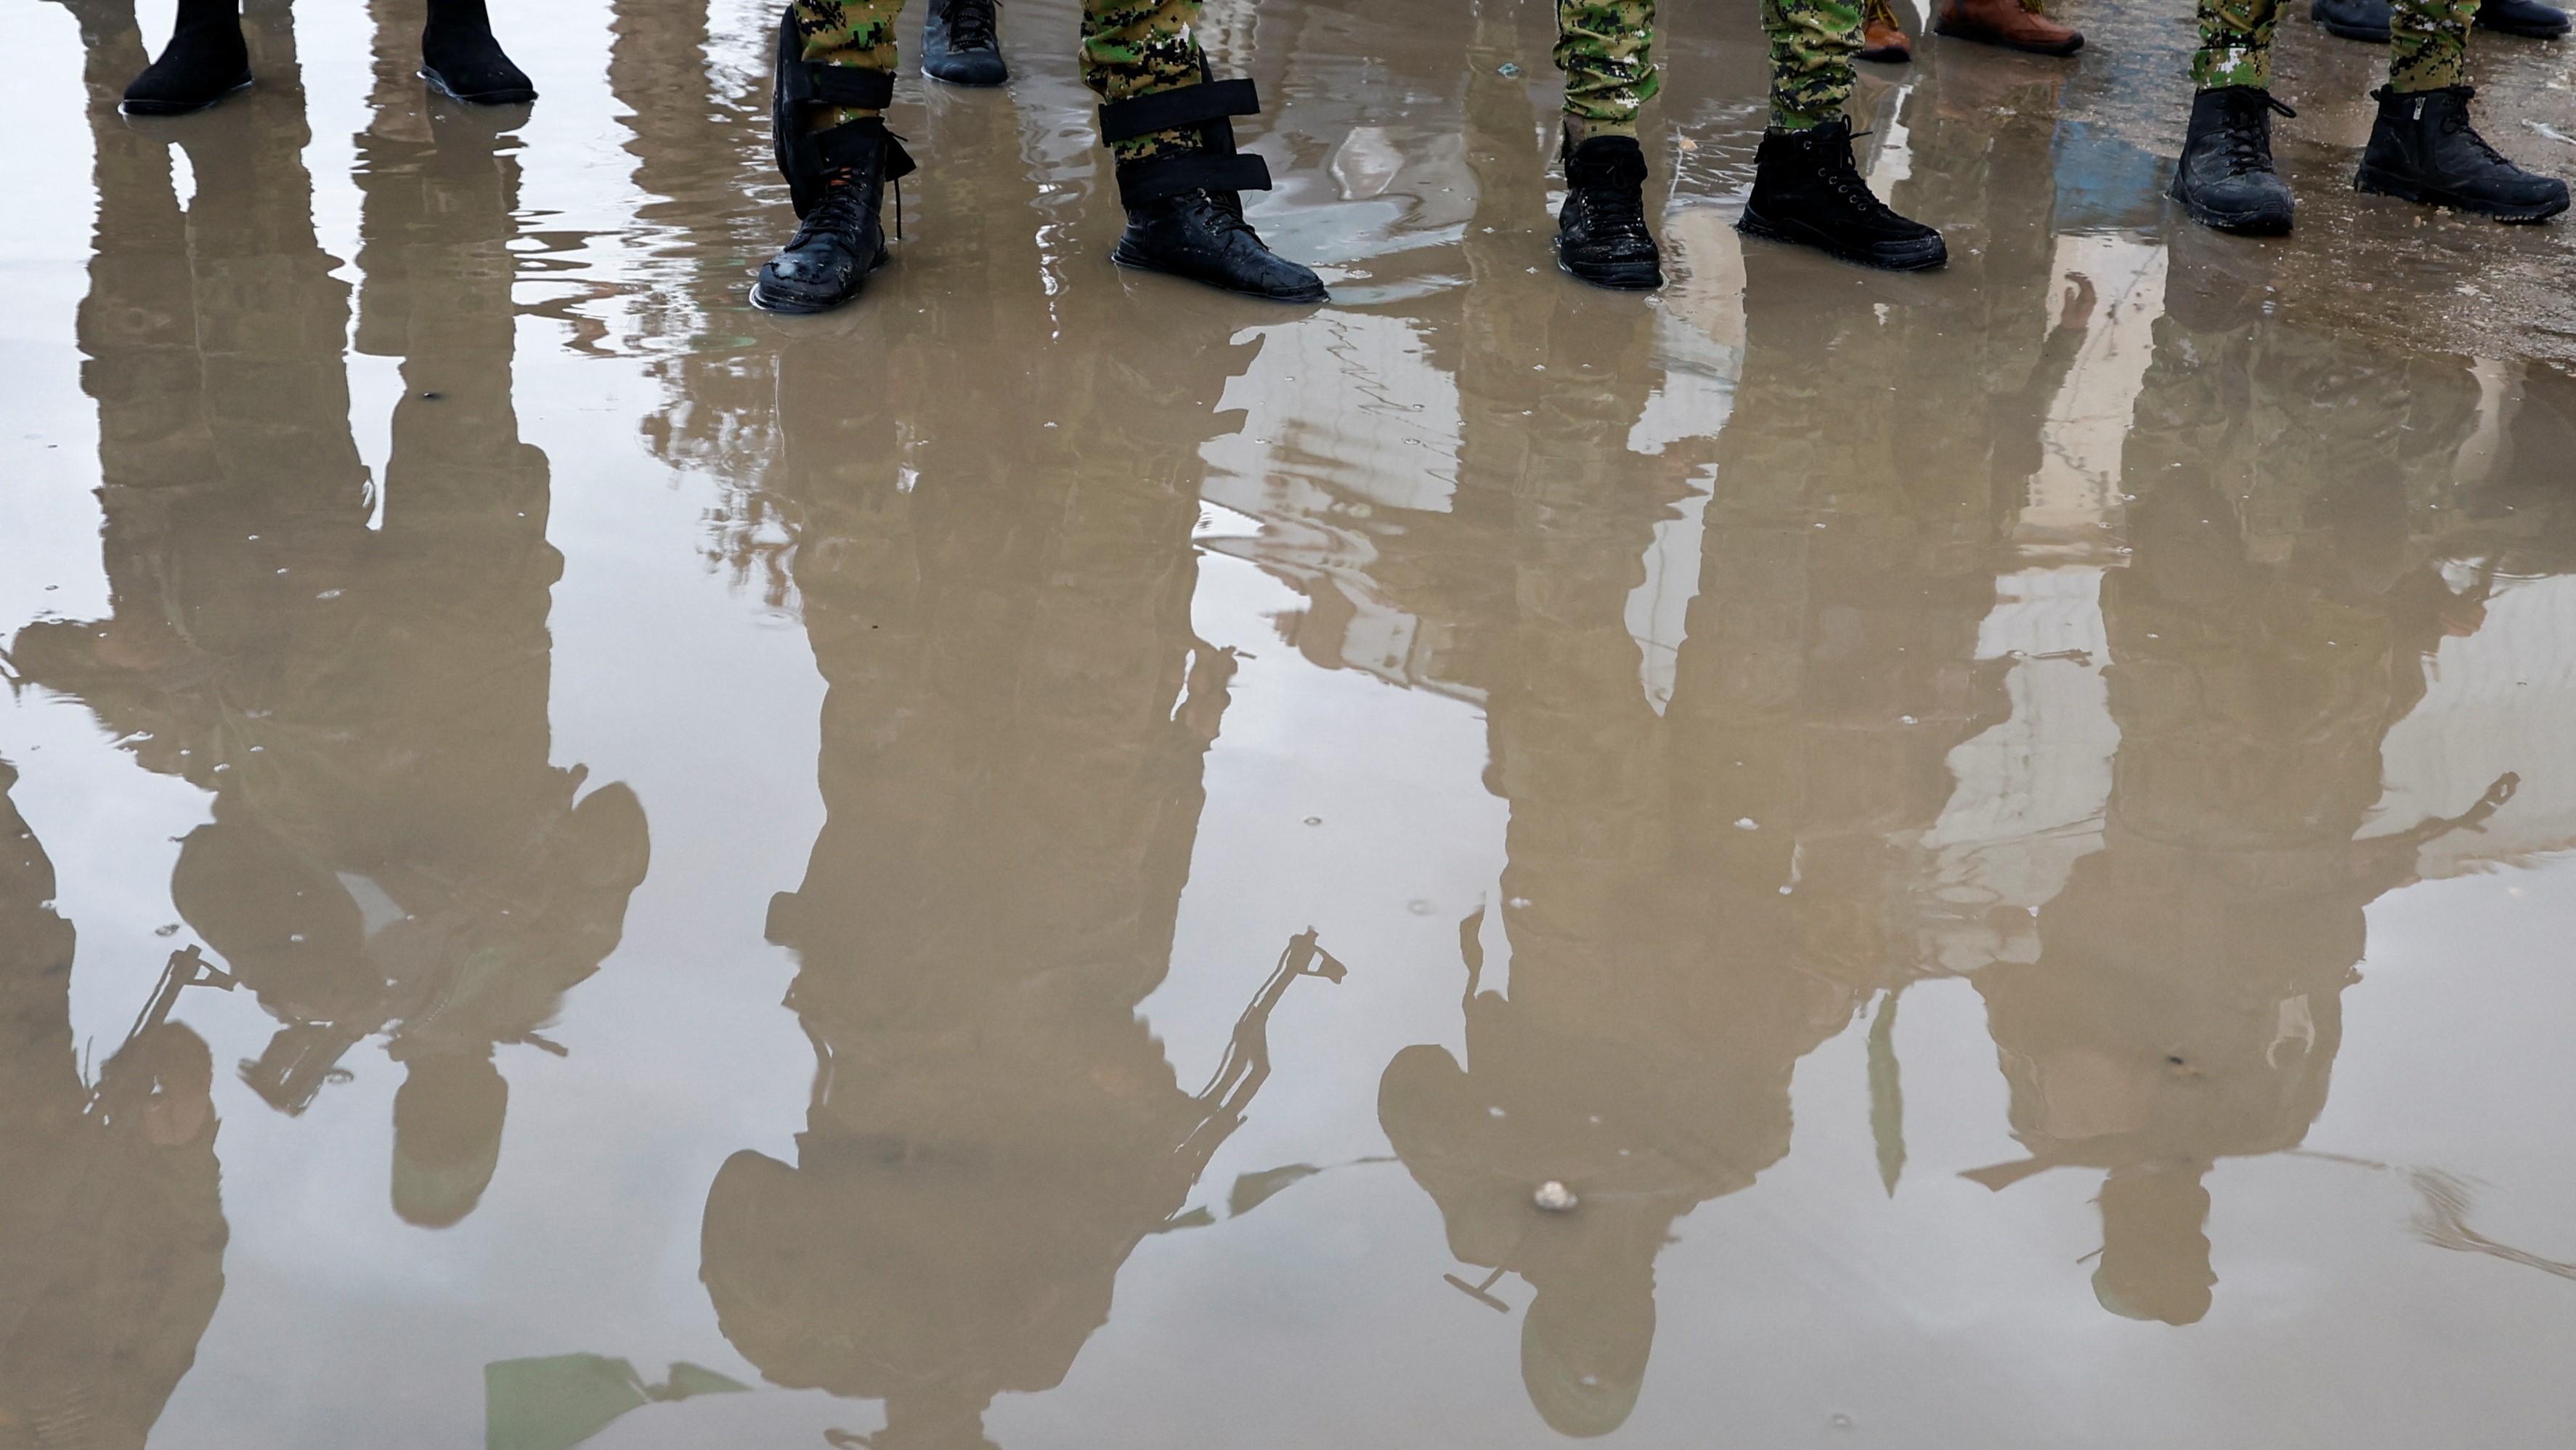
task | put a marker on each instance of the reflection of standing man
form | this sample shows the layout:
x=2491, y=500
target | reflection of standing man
x=1664, y=979
x=2271, y=627
x=366, y=705
x=111, y=1225
x=1012, y=747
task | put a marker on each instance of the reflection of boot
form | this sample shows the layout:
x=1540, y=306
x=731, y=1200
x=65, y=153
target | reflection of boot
x=960, y=44
x=2424, y=149
x=1806, y=191
x=1601, y=234
x=459, y=56
x=1185, y=206
x=2226, y=178
x=2008, y=24
x=205, y=61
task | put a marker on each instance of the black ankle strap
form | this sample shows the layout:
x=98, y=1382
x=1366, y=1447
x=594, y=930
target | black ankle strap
x=1208, y=101
x=817, y=83
x=1157, y=177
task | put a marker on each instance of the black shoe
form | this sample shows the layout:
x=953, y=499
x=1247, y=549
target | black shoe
x=1202, y=235
x=1806, y=191
x=2354, y=19
x=2424, y=149
x=1601, y=233
x=2225, y=179
x=960, y=44
x=842, y=238
x=2527, y=18
x=459, y=56
x=205, y=61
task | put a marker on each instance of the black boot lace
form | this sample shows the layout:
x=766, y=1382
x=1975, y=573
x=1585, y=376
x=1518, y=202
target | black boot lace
x=842, y=212
x=2455, y=122
x=1842, y=177
x=972, y=25
x=1614, y=204
x=2244, y=131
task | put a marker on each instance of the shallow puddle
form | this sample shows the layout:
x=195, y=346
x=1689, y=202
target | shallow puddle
x=1057, y=859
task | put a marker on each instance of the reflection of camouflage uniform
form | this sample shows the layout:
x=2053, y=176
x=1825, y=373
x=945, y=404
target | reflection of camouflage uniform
x=2427, y=50
x=1605, y=48
x=1129, y=48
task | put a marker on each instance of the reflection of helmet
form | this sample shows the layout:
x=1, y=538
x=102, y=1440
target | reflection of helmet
x=2155, y=1259
x=1584, y=1344
x=285, y=926
x=447, y=1137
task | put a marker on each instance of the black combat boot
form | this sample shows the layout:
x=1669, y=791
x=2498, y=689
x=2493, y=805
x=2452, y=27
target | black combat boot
x=841, y=236
x=1601, y=233
x=836, y=178
x=2424, y=149
x=1806, y=191
x=2364, y=20
x=205, y=61
x=459, y=56
x=2526, y=18
x=2225, y=179
x=1185, y=208
x=961, y=44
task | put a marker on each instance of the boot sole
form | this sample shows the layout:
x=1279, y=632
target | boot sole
x=2235, y=224
x=2374, y=182
x=183, y=108
x=1888, y=55
x=1621, y=279
x=1752, y=225
x=508, y=96
x=1002, y=79
x=1137, y=263
x=2355, y=32
x=1983, y=37
x=799, y=307
x=2526, y=33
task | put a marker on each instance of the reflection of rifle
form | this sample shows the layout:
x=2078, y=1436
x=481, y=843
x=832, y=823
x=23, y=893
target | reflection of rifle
x=1247, y=1057
x=299, y=1059
x=186, y=968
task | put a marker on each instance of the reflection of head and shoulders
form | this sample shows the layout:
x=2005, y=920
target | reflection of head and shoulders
x=111, y=1225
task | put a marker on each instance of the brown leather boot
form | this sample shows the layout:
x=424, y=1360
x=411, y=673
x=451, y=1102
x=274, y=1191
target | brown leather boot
x=1881, y=38
x=2008, y=23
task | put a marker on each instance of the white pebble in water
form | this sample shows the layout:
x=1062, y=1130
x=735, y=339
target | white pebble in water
x=1553, y=1196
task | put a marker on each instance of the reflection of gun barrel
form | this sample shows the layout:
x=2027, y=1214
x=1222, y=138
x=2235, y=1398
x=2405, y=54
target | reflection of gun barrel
x=1247, y=1055
x=299, y=1060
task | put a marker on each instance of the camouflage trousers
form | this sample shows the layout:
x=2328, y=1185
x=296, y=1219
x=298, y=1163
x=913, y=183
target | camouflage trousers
x=2428, y=43
x=1605, y=48
x=1129, y=48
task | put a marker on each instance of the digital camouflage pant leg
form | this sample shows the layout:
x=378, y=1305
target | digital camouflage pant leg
x=1135, y=48
x=1812, y=45
x=1606, y=50
x=1129, y=48
x=2428, y=43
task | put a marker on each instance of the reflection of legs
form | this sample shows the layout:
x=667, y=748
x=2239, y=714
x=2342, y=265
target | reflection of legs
x=1170, y=127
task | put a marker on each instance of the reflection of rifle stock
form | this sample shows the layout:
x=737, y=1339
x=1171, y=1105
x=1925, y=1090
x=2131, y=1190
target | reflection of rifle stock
x=186, y=968
x=1247, y=1056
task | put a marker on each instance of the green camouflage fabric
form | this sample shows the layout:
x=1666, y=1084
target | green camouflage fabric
x=2428, y=43
x=1129, y=48
x=1812, y=45
x=1606, y=50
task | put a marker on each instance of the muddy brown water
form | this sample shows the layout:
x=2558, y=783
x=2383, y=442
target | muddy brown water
x=1052, y=859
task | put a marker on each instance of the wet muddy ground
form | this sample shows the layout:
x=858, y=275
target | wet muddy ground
x=1053, y=859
